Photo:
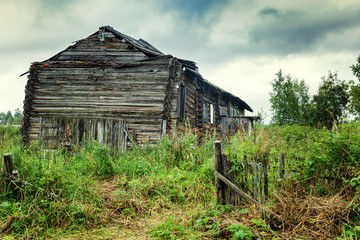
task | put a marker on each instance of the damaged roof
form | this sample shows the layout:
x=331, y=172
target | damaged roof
x=149, y=50
x=205, y=85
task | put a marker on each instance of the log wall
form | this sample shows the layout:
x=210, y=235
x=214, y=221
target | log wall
x=101, y=80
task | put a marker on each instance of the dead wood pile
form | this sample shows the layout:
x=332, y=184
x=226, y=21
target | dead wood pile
x=297, y=213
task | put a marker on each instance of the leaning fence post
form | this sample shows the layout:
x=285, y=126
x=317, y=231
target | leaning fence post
x=218, y=184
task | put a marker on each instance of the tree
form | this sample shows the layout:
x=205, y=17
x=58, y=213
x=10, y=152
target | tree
x=8, y=118
x=355, y=90
x=17, y=116
x=289, y=100
x=330, y=103
x=2, y=118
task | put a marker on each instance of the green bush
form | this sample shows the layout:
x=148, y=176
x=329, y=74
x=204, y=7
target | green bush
x=240, y=232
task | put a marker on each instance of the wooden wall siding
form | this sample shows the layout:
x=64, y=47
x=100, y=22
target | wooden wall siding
x=230, y=125
x=190, y=104
x=172, y=94
x=109, y=50
x=112, y=133
x=134, y=92
x=199, y=109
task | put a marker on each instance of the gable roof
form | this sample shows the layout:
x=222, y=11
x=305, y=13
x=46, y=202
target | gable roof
x=140, y=44
x=190, y=67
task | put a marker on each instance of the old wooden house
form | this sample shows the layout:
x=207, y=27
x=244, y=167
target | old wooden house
x=113, y=88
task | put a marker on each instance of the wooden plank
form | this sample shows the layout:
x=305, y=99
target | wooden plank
x=266, y=180
x=255, y=179
x=233, y=186
x=102, y=58
x=91, y=104
x=219, y=186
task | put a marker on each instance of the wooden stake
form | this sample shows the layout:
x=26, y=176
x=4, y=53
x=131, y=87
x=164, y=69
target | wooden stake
x=255, y=178
x=281, y=170
x=9, y=163
x=266, y=180
x=218, y=184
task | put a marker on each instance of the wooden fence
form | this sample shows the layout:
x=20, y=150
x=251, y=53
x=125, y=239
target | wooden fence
x=232, y=181
x=71, y=131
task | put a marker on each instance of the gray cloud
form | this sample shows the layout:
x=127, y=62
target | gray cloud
x=298, y=31
x=269, y=11
x=226, y=38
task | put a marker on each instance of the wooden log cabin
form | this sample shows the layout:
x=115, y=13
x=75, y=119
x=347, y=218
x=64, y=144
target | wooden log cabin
x=113, y=88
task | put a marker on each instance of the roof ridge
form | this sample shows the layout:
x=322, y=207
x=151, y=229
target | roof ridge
x=140, y=44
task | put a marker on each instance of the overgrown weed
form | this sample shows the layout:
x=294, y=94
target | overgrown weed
x=99, y=189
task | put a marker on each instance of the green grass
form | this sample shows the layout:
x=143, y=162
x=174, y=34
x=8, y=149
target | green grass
x=177, y=175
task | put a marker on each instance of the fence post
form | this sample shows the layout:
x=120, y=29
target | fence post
x=266, y=180
x=9, y=163
x=281, y=170
x=255, y=178
x=10, y=170
x=260, y=176
x=218, y=184
x=246, y=165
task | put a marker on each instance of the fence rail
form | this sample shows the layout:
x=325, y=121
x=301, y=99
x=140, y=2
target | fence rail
x=254, y=171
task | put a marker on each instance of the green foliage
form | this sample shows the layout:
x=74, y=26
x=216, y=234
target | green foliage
x=350, y=232
x=171, y=229
x=355, y=89
x=289, y=100
x=241, y=232
x=356, y=68
x=9, y=118
x=332, y=153
x=196, y=225
x=330, y=103
x=178, y=173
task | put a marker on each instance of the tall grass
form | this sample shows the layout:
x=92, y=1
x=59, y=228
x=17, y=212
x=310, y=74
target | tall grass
x=178, y=171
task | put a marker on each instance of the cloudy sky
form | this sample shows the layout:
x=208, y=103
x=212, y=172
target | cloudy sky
x=238, y=45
